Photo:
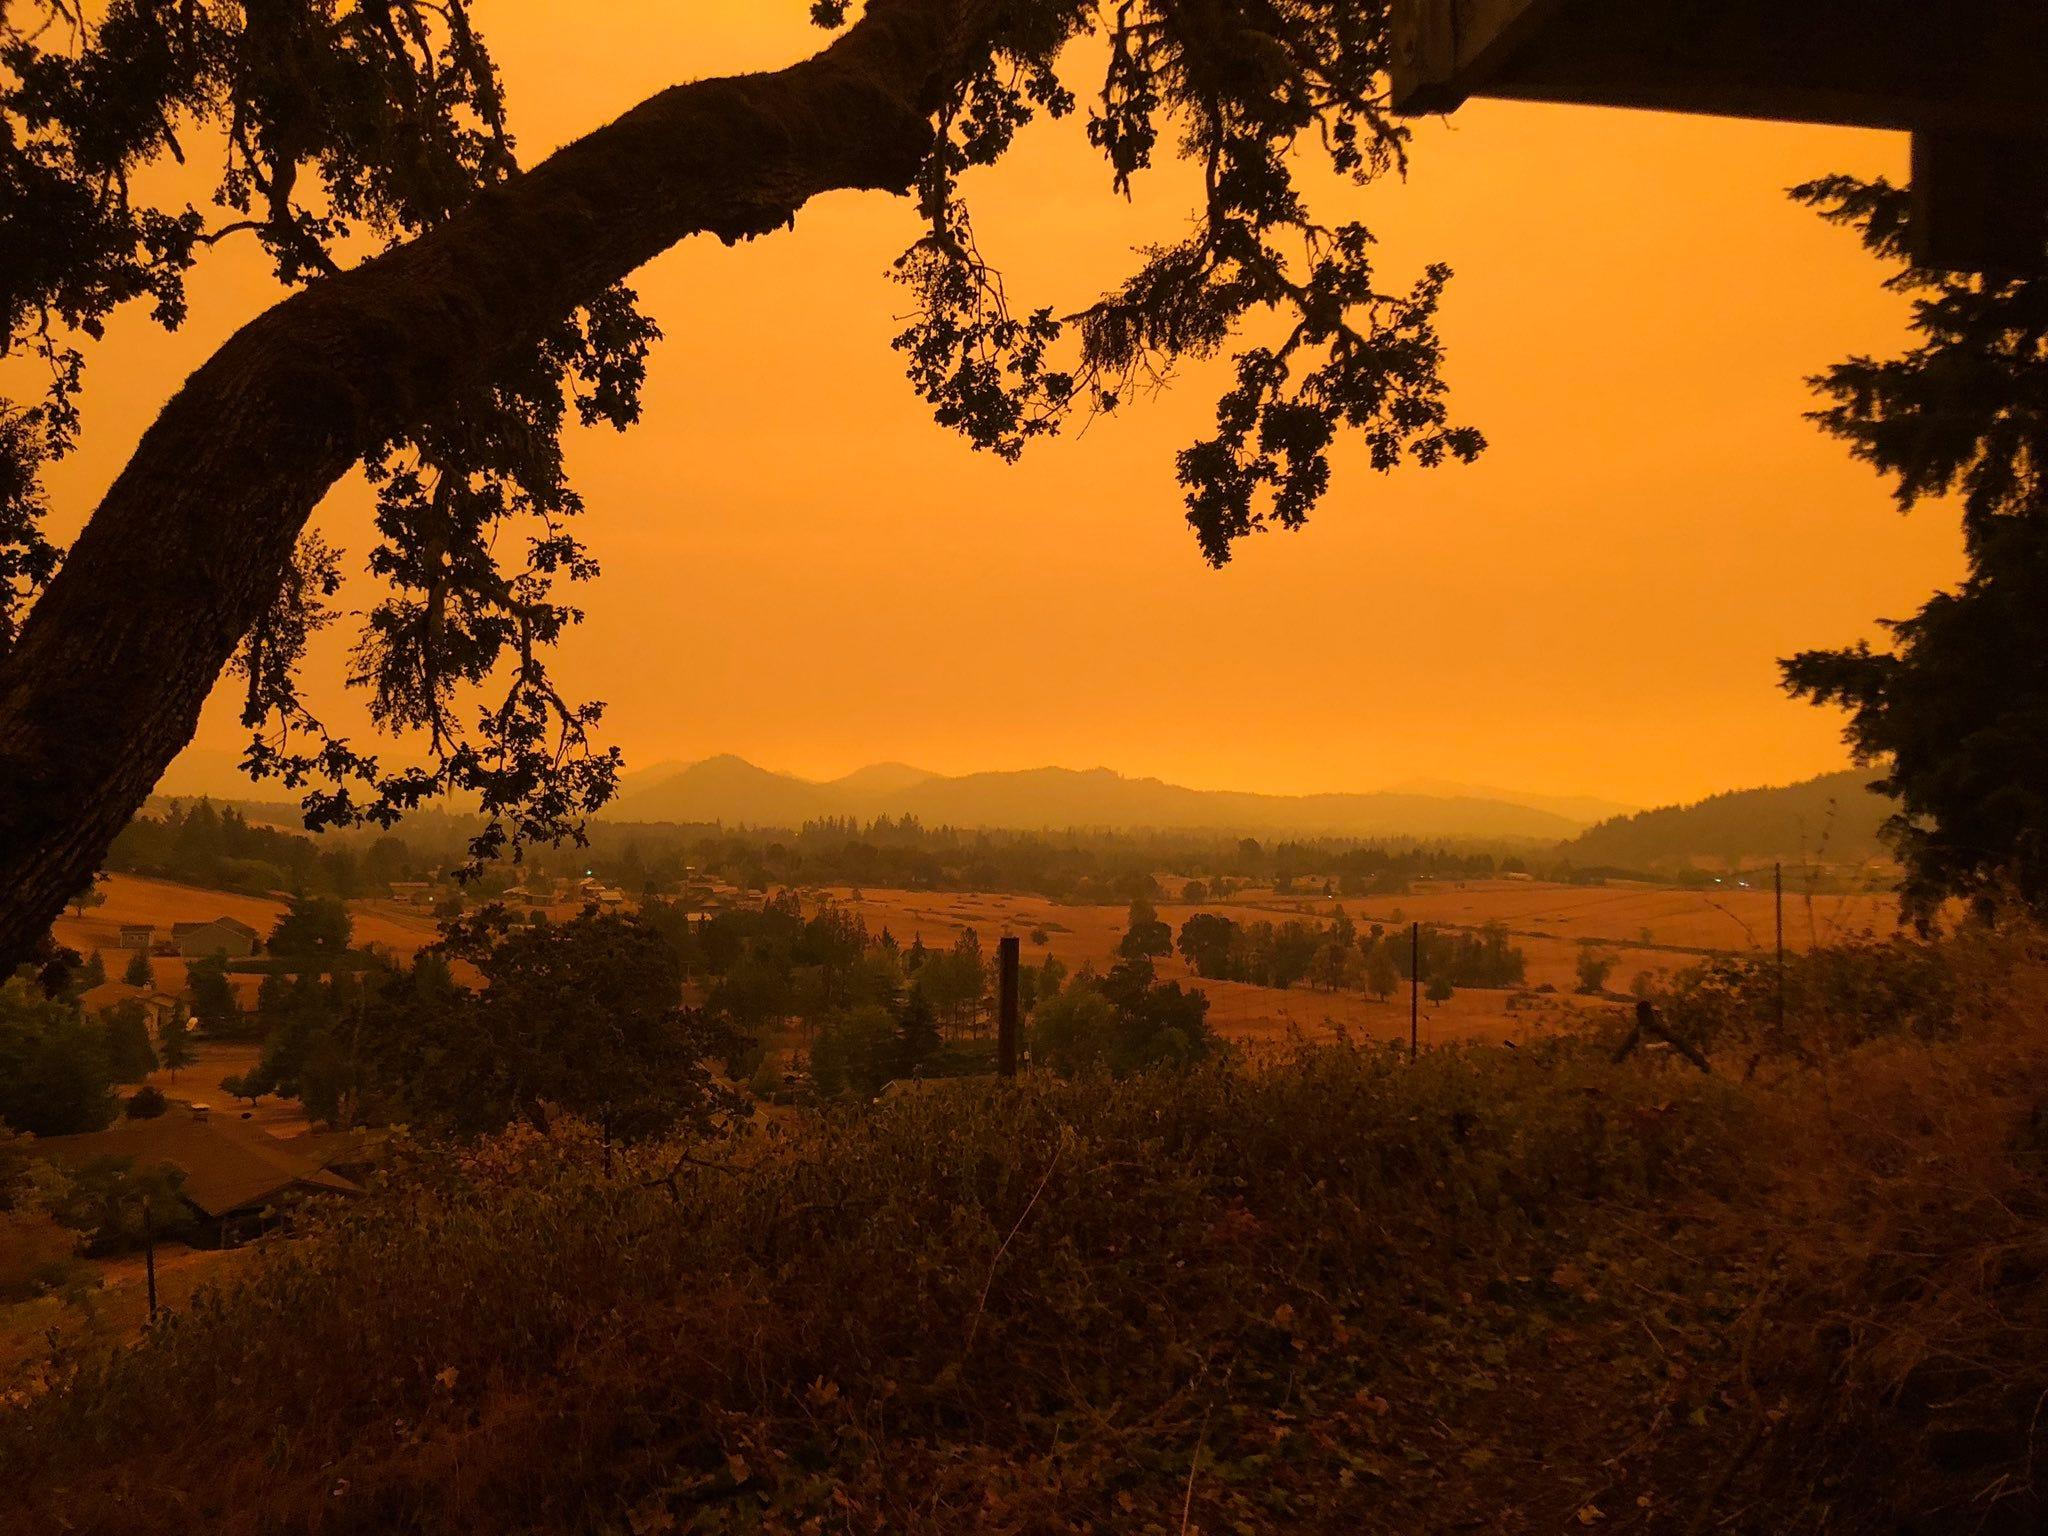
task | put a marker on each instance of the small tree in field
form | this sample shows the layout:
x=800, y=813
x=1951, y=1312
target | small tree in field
x=93, y=973
x=1382, y=976
x=250, y=1085
x=87, y=895
x=1146, y=934
x=130, y=1058
x=140, y=973
x=1438, y=990
x=1595, y=966
x=917, y=1033
x=213, y=999
x=312, y=925
x=174, y=1041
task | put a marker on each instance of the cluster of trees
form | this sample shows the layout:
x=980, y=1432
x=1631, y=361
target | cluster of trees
x=200, y=843
x=873, y=1009
x=583, y=1016
x=59, y=1066
x=1121, y=1022
x=49, y=1214
x=1339, y=954
x=1074, y=866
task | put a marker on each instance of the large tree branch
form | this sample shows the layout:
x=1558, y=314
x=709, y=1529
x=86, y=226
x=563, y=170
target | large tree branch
x=105, y=684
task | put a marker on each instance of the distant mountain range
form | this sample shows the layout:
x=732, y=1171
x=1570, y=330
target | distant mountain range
x=1585, y=809
x=1832, y=819
x=732, y=790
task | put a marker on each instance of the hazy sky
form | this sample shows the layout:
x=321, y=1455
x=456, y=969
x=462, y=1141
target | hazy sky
x=801, y=568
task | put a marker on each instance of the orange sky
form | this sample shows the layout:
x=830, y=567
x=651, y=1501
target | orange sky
x=801, y=568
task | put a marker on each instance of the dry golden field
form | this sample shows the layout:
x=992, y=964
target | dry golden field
x=401, y=929
x=1656, y=929
x=200, y=1083
x=392, y=926
x=1648, y=928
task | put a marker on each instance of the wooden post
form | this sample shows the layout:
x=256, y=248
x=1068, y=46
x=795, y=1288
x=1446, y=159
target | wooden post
x=149, y=1255
x=1414, y=988
x=1006, y=1005
x=1778, y=893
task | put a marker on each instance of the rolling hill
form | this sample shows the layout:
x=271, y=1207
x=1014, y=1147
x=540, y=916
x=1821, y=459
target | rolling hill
x=1832, y=819
x=730, y=789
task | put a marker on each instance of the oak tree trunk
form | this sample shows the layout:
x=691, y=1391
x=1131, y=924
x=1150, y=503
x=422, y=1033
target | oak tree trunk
x=186, y=551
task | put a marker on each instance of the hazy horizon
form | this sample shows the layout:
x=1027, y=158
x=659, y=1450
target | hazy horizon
x=213, y=772
x=1595, y=608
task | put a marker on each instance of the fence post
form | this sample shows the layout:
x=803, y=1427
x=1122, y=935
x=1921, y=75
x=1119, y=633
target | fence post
x=1778, y=894
x=1006, y=1005
x=149, y=1254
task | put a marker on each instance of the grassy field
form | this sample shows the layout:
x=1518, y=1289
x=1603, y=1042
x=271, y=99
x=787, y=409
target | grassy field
x=392, y=926
x=1651, y=929
x=397, y=927
x=200, y=1083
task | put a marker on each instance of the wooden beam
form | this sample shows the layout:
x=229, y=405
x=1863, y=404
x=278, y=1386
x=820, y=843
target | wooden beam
x=1980, y=202
x=1963, y=66
x=1446, y=50
x=1967, y=78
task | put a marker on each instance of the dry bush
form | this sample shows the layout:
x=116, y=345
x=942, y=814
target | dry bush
x=1493, y=1289
x=1906, y=1273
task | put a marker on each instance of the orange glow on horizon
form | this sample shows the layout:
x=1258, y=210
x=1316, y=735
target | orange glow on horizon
x=801, y=568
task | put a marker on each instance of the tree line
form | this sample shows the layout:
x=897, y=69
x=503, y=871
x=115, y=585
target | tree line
x=1333, y=955
x=199, y=843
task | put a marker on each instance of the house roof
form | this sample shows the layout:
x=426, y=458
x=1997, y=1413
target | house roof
x=1965, y=77
x=228, y=1166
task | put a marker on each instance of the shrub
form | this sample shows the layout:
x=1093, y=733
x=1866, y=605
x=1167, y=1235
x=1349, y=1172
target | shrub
x=54, y=1074
x=1849, y=993
x=1595, y=964
x=568, y=1346
x=1336, y=1294
x=147, y=1102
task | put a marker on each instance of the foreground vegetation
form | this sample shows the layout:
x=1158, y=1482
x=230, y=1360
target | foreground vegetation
x=1489, y=1290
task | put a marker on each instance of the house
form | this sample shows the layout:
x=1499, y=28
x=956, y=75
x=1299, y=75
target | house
x=222, y=936
x=419, y=893
x=135, y=936
x=1966, y=78
x=156, y=1006
x=234, y=1174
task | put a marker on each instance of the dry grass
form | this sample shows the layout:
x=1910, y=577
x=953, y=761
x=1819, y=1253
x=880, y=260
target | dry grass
x=401, y=929
x=1550, y=923
x=1502, y=1291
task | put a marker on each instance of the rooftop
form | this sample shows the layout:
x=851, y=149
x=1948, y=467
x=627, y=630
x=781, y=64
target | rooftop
x=228, y=1165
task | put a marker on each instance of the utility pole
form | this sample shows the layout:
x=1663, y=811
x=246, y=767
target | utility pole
x=1006, y=1005
x=1414, y=987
